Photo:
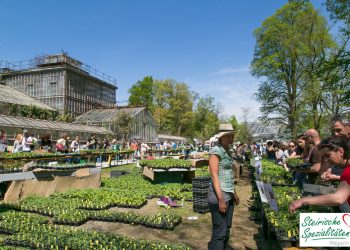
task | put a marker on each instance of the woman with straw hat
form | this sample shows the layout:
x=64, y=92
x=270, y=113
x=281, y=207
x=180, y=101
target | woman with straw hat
x=222, y=196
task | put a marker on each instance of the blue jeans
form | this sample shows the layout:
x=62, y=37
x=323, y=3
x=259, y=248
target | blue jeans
x=221, y=226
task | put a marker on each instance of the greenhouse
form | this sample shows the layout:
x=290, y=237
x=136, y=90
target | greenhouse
x=10, y=95
x=144, y=126
x=13, y=125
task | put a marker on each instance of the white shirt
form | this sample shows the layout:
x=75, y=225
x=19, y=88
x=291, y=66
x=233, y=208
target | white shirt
x=279, y=155
x=75, y=146
x=144, y=147
x=25, y=145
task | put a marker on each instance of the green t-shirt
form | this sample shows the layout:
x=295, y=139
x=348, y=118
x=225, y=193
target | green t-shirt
x=225, y=168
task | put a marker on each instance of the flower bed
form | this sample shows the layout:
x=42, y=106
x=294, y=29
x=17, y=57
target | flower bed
x=43, y=155
x=166, y=164
x=145, y=187
x=77, y=207
x=32, y=231
x=67, y=166
x=160, y=221
x=275, y=174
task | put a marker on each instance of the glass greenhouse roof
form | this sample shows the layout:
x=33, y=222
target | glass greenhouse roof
x=29, y=123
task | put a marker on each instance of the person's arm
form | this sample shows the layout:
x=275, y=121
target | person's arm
x=214, y=171
x=336, y=199
x=315, y=168
x=239, y=152
x=279, y=155
x=330, y=177
x=286, y=154
x=316, y=161
x=297, y=152
x=293, y=155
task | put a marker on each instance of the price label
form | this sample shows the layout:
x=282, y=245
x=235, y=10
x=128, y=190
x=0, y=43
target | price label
x=270, y=196
x=261, y=189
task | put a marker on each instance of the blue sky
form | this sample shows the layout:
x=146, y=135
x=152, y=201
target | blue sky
x=207, y=44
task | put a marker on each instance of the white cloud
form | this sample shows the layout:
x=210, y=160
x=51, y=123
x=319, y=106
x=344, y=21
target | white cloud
x=231, y=70
x=234, y=90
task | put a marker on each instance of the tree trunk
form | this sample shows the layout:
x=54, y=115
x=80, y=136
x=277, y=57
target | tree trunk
x=179, y=130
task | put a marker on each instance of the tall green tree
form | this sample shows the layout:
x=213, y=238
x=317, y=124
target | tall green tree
x=180, y=107
x=176, y=109
x=340, y=63
x=316, y=52
x=142, y=92
x=285, y=46
x=206, y=120
x=340, y=10
x=244, y=134
x=338, y=99
x=173, y=103
x=234, y=122
x=161, y=105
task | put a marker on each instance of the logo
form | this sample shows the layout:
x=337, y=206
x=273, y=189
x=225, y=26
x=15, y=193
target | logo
x=346, y=219
x=324, y=229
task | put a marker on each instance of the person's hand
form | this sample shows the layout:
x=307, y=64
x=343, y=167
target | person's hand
x=236, y=201
x=295, y=205
x=325, y=173
x=222, y=206
x=328, y=176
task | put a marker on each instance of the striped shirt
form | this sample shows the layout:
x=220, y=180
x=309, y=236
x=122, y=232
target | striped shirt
x=225, y=168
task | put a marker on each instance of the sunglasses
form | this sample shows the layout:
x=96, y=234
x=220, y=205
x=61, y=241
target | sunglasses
x=337, y=130
x=291, y=146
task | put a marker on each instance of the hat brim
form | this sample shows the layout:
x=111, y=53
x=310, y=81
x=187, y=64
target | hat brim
x=220, y=134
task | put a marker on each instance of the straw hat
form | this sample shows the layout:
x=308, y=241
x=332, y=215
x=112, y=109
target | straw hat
x=225, y=129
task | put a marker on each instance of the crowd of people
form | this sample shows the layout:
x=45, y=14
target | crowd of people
x=27, y=142
x=329, y=159
x=307, y=148
x=326, y=159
